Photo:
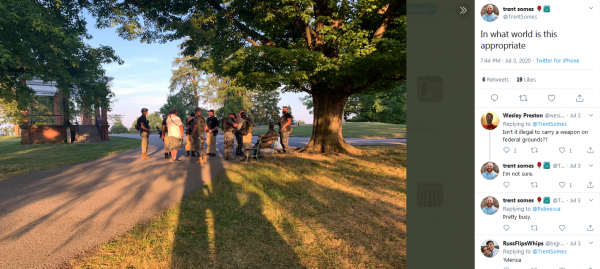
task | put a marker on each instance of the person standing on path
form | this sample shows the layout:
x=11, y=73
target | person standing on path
x=212, y=124
x=285, y=128
x=198, y=130
x=176, y=134
x=190, y=144
x=165, y=137
x=144, y=132
x=246, y=133
x=238, y=135
x=229, y=126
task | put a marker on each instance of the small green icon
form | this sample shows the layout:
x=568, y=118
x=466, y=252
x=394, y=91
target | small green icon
x=546, y=165
x=546, y=8
x=546, y=200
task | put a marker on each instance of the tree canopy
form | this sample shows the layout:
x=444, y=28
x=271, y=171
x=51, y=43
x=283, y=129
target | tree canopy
x=45, y=39
x=329, y=49
x=354, y=44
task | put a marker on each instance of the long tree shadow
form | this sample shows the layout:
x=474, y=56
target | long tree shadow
x=83, y=205
x=223, y=226
x=296, y=213
x=341, y=205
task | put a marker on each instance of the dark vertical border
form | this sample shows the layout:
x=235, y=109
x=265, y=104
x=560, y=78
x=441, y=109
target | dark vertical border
x=440, y=134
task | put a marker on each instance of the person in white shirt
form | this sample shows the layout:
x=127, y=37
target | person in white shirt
x=175, y=135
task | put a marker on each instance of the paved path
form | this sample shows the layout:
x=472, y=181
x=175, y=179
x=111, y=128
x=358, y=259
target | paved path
x=298, y=142
x=51, y=216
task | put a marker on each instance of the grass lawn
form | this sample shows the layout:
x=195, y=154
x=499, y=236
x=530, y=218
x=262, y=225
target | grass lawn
x=294, y=212
x=16, y=159
x=373, y=130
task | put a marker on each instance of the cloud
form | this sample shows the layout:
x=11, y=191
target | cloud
x=149, y=99
x=149, y=88
x=115, y=66
x=138, y=61
x=133, y=86
x=125, y=91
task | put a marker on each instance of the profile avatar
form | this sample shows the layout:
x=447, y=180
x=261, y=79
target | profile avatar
x=488, y=248
x=489, y=205
x=489, y=170
x=489, y=13
x=489, y=121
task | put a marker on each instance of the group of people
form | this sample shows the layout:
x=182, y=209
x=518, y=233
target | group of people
x=236, y=128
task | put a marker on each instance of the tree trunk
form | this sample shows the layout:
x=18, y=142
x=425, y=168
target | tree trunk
x=327, y=125
x=195, y=92
x=66, y=108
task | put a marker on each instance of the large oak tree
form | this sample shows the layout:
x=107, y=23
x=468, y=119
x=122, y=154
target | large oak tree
x=328, y=49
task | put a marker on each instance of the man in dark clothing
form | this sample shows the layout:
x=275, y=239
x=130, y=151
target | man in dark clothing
x=285, y=128
x=246, y=133
x=190, y=145
x=212, y=124
x=144, y=132
x=238, y=136
x=165, y=138
x=198, y=130
x=229, y=126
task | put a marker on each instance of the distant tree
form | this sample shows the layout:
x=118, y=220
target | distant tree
x=353, y=105
x=184, y=105
x=9, y=113
x=116, y=126
x=387, y=107
x=155, y=120
x=265, y=106
x=384, y=106
x=229, y=97
x=7, y=129
x=186, y=79
x=349, y=107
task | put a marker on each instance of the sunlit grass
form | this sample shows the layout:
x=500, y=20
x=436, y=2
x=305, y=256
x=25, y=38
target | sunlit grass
x=295, y=212
x=371, y=130
x=16, y=159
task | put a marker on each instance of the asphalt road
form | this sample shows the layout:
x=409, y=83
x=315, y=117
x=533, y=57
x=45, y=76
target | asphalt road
x=298, y=142
x=49, y=217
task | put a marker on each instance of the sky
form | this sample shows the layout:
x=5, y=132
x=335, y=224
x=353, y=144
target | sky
x=143, y=80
